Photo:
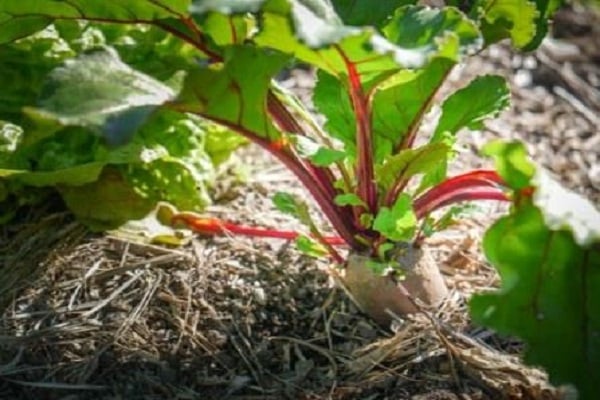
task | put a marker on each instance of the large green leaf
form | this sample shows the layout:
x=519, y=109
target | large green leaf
x=460, y=111
x=99, y=90
x=400, y=101
x=362, y=12
x=419, y=26
x=19, y=18
x=227, y=96
x=400, y=104
x=332, y=100
x=317, y=36
x=76, y=175
x=547, y=252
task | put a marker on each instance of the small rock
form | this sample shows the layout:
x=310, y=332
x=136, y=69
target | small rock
x=594, y=175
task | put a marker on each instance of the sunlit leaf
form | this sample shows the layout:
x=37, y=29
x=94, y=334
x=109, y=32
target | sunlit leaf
x=399, y=222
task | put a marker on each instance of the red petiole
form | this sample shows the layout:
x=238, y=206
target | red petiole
x=475, y=185
x=215, y=226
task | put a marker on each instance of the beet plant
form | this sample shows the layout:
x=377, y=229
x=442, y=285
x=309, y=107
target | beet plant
x=374, y=169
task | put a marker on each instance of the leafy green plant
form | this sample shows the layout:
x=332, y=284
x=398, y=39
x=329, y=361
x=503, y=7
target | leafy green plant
x=77, y=116
x=373, y=169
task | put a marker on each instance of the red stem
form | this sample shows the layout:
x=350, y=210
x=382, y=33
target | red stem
x=475, y=185
x=367, y=190
x=215, y=226
x=288, y=123
x=342, y=225
x=318, y=181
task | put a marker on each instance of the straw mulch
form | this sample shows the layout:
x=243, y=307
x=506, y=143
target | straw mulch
x=87, y=316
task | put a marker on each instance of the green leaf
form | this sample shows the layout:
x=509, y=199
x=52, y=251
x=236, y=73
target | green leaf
x=227, y=95
x=318, y=155
x=332, y=100
x=512, y=162
x=403, y=100
x=99, y=90
x=223, y=29
x=549, y=297
x=404, y=97
x=514, y=19
x=547, y=252
x=12, y=28
x=419, y=26
x=317, y=36
x=225, y=6
x=310, y=247
x=293, y=206
x=19, y=18
x=546, y=9
x=77, y=175
x=410, y=162
x=349, y=199
x=398, y=223
x=362, y=12
x=460, y=110
x=107, y=202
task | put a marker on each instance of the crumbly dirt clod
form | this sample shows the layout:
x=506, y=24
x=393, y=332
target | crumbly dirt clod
x=86, y=316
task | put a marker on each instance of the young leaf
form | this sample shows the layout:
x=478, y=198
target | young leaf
x=332, y=100
x=410, y=162
x=484, y=97
x=293, y=206
x=310, y=247
x=460, y=111
x=348, y=199
x=403, y=100
x=398, y=223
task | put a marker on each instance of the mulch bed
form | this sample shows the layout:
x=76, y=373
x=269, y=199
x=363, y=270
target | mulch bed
x=88, y=316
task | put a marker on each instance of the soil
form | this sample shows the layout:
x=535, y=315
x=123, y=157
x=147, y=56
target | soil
x=87, y=316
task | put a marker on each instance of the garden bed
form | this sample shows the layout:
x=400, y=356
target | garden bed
x=91, y=316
